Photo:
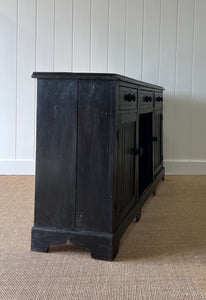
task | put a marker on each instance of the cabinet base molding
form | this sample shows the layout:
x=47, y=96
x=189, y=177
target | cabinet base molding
x=101, y=245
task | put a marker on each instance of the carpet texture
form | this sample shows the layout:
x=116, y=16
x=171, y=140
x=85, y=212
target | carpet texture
x=161, y=257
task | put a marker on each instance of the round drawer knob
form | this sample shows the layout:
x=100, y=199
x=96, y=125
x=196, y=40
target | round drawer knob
x=130, y=97
x=147, y=99
x=159, y=99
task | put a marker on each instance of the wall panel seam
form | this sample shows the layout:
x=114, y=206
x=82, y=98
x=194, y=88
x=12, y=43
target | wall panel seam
x=125, y=36
x=90, y=36
x=160, y=26
x=16, y=104
x=72, y=43
x=175, y=79
x=142, y=50
x=192, y=77
x=54, y=34
x=35, y=83
x=108, y=25
x=35, y=36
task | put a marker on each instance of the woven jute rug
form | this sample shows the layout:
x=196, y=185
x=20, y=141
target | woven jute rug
x=161, y=257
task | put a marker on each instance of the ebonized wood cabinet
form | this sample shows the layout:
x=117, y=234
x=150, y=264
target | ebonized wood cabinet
x=98, y=158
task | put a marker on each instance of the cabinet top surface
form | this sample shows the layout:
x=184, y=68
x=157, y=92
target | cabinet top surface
x=92, y=76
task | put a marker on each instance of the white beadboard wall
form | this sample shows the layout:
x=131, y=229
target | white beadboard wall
x=159, y=41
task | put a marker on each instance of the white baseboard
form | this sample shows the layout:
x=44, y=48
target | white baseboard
x=183, y=167
x=17, y=167
x=172, y=167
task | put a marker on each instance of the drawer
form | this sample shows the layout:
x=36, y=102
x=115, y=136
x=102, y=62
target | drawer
x=146, y=99
x=158, y=99
x=127, y=98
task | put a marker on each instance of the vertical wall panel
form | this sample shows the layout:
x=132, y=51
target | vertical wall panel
x=151, y=41
x=45, y=36
x=167, y=70
x=117, y=24
x=25, y=84
x=63, y=36
x=183, y=79
x=81, y=35
x=99, y=35
x=8, y=40
x=134, y=27
x=159, y=41
x=198, y=112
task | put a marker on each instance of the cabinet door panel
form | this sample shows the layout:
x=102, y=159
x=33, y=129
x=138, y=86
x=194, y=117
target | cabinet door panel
x=157, y=140
x=127, y=162
x=93, y=205
x=56, y=153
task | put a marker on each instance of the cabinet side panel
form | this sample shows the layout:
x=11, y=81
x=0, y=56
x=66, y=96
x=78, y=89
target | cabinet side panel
x=94, y=200
x=56, y=153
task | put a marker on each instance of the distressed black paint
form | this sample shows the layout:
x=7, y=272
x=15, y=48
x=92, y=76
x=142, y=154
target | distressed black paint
x=97, y=159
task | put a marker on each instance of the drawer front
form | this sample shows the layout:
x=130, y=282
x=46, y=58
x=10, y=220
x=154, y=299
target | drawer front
x=127, y=98
x=158, y=99
x=146, y=99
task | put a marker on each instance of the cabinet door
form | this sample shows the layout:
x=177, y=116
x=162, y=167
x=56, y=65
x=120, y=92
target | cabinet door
x=56, y=153
x=93, y=201
x=146, y=156
x=157, y=141
x=127, y=165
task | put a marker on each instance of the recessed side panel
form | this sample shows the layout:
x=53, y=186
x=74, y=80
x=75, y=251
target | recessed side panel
x=94, y=195
x=56, y=153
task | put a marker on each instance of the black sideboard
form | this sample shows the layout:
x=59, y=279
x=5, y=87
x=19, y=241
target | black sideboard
x=98, y=158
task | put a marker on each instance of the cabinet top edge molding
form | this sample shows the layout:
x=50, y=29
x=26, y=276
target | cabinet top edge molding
x=93, y=76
